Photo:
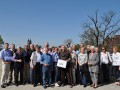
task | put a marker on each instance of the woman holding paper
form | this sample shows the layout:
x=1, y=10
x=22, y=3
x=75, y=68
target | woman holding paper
x=116, y=64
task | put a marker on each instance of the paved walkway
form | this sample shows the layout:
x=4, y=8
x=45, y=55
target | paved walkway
x=78, y=87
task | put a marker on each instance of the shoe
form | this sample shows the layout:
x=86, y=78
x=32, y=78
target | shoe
x=24, y=83
x=117, y=83
x=73, y=84
x=28, y=82
x=31, y=83
x=84, y=86
x=95, y=87
x=81, y=84
x=34, y=85
x=92, y=85
x=44, y=87
x=56, y=85
x=7, y=84
x=70, y=86
x=21, y=83
x=16, y=85
x=49, y=85
x=2, y=86
x=62, y=85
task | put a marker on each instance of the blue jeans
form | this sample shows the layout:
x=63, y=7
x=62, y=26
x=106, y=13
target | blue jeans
x=55, y=72
x=46, y=75
x=83, y=76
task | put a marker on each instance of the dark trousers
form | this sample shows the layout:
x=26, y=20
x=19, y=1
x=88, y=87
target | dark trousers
x=83, y=75
x=105, y=70
x=89, y=81
x=65, y=72
x=18, y=69
x=77, y=74
x=100, y=75
x=116, y=72
x=11, y=72
x=37, y=74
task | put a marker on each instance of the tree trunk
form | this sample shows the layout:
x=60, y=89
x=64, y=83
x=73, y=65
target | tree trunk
x=97, y=42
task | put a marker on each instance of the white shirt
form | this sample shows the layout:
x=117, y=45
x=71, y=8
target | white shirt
x=116, y=59
x=105, y=58
x=35, y=57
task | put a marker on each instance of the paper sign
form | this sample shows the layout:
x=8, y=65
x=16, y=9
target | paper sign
x=61, y=63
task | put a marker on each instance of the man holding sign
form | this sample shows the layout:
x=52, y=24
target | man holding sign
x=64, y=66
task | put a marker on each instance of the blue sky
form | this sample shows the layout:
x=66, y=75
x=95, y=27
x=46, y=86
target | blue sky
x=50, y=21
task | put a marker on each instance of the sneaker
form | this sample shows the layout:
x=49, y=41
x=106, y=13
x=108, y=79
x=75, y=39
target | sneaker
x=56, y=84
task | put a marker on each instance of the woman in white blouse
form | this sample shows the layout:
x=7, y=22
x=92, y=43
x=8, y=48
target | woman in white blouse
x=105, y=59
x=82, y=61
x=116, y=64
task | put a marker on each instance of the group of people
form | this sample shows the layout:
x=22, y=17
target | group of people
x=35, y=65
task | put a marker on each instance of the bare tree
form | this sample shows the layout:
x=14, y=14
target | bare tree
x=68, y=42
x=100, y=28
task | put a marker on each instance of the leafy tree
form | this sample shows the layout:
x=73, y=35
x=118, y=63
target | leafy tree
x=1, y=42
